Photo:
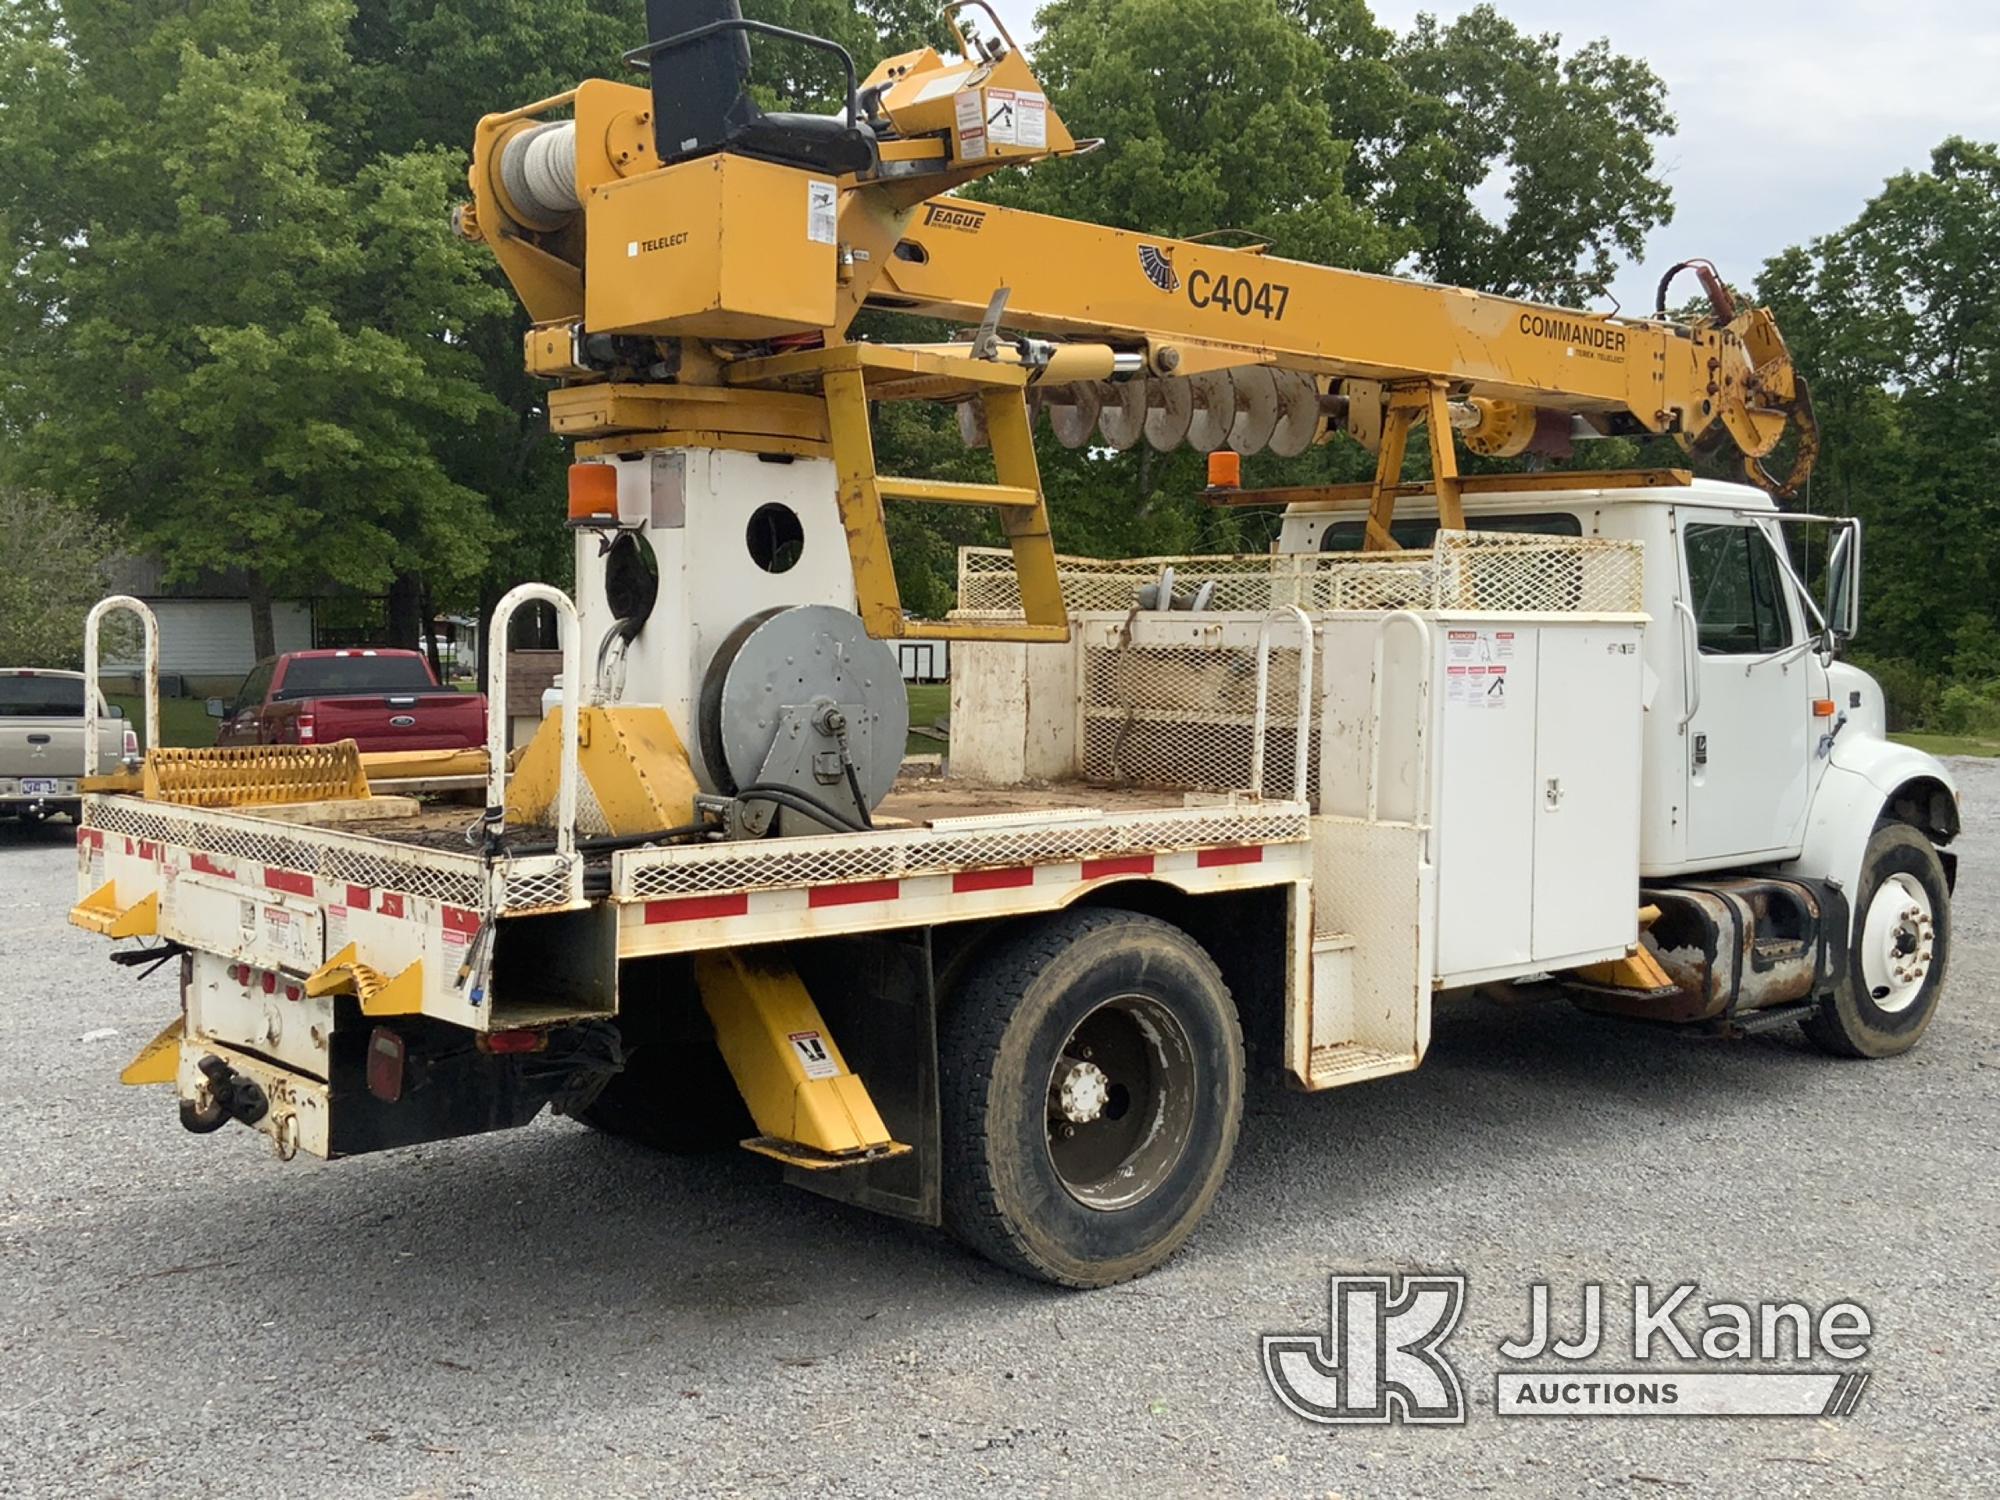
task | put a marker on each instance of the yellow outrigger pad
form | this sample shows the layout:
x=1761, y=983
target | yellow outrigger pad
x=379, y=994
x=159, y=1061
x=254, y=775
x=99, y=912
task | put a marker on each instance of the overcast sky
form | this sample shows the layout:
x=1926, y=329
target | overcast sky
x=1792, y=112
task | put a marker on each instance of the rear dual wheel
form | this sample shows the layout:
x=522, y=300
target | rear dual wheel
x=1091, y=1074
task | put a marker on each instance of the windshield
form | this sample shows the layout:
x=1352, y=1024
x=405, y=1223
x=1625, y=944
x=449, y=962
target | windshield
x=38, y=697
x=330, y=676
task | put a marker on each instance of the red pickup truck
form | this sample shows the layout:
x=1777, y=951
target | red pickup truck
x=382, y=700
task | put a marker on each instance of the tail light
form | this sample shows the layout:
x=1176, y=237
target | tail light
x=503, y=1043
x=131, y=751
x=307, y=730
x=386, y=1055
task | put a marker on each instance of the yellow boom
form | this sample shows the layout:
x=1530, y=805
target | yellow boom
x=693, y=281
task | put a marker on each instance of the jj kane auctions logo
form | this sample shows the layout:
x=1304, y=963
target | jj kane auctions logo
x=1382, y=1356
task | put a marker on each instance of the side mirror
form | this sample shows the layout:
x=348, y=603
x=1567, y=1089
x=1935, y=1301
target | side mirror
x=114, y=710
x=1841, y=606
x=217, y=709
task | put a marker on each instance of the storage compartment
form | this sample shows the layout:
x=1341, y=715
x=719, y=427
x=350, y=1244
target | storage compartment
x=722, y=247
x=556, y=966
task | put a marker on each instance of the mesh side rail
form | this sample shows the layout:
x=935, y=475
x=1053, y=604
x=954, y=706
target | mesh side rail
x=438, y=875
x=639, y=875
x=1480, y=570
x=1184, y=716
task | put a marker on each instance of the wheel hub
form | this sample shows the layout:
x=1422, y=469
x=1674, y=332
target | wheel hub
x=1082, y=1092
x=1898, y=939
x=1121, y=1102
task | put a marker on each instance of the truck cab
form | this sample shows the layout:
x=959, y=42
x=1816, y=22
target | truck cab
x=1763, y=754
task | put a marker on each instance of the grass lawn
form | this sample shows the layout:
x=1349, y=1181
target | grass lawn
x=1949, y=744
x=183, y=721
x=929, y=702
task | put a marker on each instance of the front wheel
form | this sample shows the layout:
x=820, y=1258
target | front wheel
x=1897, y=954
x=1091, y=1079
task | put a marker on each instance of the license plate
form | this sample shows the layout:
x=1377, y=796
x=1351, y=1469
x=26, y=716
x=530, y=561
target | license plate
x=33, y=785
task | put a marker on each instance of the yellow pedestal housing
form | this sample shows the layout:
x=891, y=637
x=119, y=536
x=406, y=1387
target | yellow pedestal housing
x=630, y=759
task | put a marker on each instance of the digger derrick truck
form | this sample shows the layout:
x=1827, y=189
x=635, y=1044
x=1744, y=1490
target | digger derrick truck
x=1564, y=734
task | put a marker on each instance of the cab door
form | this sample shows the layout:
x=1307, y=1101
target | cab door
x=239, y=724
x=1748, y=740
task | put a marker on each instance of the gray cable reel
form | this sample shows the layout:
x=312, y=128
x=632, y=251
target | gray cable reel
x=802, y=720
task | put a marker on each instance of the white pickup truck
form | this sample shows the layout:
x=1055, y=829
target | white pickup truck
x=41, y=742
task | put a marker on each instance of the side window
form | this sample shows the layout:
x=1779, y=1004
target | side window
x=1418, y=533
x=1738, y=600
x=255, y=686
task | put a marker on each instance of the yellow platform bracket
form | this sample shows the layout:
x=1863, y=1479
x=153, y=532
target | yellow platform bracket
x=630, y=758
x=254, y=775
x=379, y=994
x=159, y=1061
x=1638, y=970
x=99, y=912
x=811, y=1110
x=850, y=376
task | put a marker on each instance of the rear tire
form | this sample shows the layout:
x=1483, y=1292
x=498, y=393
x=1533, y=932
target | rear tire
x=1897, y=954
x=1091, y=1080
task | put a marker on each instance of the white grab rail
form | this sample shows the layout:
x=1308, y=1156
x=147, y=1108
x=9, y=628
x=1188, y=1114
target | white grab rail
x=1420, y=812
x=91, y=622
x=496, y=711
x=1302, y=734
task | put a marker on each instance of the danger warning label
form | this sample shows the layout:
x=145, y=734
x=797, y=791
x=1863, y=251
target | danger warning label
x=1475, y=669
x=814, y=1056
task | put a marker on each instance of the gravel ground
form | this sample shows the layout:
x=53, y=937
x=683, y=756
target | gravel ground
x=549, y=1312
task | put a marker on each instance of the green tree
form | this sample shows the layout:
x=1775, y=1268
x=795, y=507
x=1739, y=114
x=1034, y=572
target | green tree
x=213, y=331
x=1896, y=319
x=1456, y=113
x=55, y=557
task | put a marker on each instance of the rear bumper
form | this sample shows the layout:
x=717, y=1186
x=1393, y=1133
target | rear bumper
x=297, y=1113
x=14, y=803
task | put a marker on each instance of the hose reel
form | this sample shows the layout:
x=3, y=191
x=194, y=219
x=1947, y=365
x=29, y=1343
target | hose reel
x=802, y=720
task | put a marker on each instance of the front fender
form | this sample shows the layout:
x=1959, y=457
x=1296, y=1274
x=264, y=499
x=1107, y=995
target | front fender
x=1866, y=778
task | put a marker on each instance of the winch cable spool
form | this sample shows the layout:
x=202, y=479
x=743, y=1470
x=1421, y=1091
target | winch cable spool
x=538, y=174
x=810, y=673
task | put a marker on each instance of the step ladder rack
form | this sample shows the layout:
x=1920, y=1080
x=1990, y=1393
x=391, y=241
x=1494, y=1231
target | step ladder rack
x=850, y=377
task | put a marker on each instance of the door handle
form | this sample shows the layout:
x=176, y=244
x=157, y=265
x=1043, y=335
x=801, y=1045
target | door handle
x=1690, y=662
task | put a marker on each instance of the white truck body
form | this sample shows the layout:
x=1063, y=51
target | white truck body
x=1361, y=783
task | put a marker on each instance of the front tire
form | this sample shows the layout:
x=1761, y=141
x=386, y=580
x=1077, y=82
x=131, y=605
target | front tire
x=1091, y=1076
x=1897, y=954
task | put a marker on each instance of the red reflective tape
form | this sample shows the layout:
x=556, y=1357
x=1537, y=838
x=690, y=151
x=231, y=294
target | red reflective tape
x=148, y=849
x=358, y=897
x=1242, y=854
x=201, y=864
x=91, y=836
x=854, y=894
x=697, y=908
x=1125, y=864
x=993, y=880
x=458, y=919
x=288, y=880
x=391, y=904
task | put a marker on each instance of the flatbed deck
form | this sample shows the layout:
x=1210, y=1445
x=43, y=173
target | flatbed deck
x=915, y=802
